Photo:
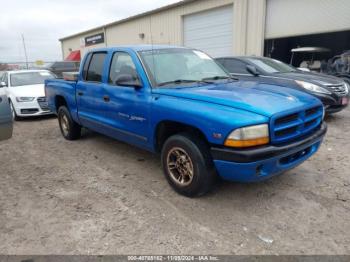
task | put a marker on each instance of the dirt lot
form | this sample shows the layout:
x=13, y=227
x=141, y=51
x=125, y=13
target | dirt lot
x=100, y=196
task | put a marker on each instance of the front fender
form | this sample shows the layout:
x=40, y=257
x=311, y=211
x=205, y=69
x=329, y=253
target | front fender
x=216, y=122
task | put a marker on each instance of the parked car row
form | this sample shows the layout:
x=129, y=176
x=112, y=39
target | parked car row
x=332, y=91
x=26, y=93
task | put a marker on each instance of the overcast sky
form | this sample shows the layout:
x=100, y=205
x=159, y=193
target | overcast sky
x=43, y=22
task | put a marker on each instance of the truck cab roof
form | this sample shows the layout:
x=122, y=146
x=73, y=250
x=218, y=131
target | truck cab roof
x=137, y=48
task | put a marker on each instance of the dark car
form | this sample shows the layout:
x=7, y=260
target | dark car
x=63, y=66
x=332, y=91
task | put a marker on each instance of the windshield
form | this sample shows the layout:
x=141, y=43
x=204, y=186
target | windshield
x=271, y=65
x=30, y=78
x=174, y=66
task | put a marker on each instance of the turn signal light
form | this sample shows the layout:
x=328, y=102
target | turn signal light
x=247, y=143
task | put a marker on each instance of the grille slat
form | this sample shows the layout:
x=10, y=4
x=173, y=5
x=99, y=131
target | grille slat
x=292, y=126
x=340, y=90
x=287, y=125
x=43, y=103
x=314, y=116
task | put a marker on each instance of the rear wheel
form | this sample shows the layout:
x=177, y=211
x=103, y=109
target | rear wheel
x=187, y=165
x=70, y=130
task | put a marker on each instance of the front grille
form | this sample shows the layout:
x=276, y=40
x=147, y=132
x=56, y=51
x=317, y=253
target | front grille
x=296, y=156
x=289, y=127
x=29, y=111
x=340, y=89
x=43, y=103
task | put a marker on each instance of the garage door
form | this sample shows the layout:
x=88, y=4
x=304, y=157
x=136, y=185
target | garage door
x=286, y=18
x=210, y=31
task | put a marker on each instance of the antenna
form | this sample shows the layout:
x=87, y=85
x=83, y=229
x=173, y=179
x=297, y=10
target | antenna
x=25, y=51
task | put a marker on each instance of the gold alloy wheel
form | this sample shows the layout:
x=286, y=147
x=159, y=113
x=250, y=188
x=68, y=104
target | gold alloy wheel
x=180, y=166
x=64, y=124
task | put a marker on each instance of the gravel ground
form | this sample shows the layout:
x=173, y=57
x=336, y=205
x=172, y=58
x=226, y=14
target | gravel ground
x=101, y=196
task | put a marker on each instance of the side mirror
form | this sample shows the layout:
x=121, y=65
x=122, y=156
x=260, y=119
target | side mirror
x=252, y=69
x=2, y=84
x=128, y=80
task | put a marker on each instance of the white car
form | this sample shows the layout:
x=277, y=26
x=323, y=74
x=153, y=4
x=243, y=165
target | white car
x=26, y=92
x=5, y=116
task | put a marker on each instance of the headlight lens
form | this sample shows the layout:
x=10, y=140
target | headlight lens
x=249, y=136
x=24, y=99
x=346, y=85
x=312, y=87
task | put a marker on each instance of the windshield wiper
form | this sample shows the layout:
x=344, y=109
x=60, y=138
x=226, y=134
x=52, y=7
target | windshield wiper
x=178, y=82
x=210, y=80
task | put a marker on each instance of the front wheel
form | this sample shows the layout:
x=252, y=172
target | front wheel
x=70, y=130
x=13, y=111
x=187, y=165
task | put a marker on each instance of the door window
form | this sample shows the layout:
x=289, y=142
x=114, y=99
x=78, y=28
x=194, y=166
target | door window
x=95, y=71
x=121, y=65
x=86, y=66
x=235, y=66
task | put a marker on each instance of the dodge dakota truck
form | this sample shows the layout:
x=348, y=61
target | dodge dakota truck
x=180, y=103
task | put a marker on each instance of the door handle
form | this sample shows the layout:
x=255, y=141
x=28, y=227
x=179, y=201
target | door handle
x=80, y=93
x=106, y=98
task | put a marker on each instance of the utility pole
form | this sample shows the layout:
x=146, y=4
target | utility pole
x=25, y=51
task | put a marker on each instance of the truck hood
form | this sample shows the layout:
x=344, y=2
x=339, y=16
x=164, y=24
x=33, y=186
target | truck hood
x=262, y=99
x=27, y=91
x=315, y=78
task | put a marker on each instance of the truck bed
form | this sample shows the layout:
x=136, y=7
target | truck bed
x=56, y=88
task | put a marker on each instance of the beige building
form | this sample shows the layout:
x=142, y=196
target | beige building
x=226, y=27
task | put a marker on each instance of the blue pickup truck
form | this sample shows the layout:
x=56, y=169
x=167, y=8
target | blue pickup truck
x=180, y=103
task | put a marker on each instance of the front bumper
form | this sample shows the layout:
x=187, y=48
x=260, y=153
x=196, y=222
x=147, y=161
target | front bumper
x=332, y=103
x=251, y=165
x=33, y=108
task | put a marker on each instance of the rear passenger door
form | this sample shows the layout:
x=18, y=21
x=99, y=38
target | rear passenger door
x=90, y=93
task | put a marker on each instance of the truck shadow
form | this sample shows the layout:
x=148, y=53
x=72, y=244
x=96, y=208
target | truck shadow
x=150, y=170
x=36, y=118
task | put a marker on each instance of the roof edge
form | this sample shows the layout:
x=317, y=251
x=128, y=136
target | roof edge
x=153, y=11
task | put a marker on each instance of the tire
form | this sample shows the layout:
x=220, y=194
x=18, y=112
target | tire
x=195, y=153
x=70, y=130
x=14, y=114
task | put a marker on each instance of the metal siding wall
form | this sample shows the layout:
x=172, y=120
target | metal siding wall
x=167, y=27
x=301, y=17
x=256, y=27
x=210, y=31
x=74, y=44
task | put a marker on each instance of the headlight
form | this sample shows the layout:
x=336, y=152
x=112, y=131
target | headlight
x=346, y=85
x=25, y=99
x=249, y=136
x=312, y=87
